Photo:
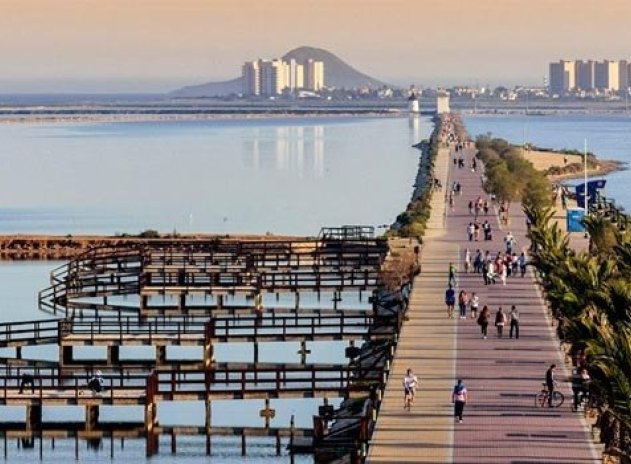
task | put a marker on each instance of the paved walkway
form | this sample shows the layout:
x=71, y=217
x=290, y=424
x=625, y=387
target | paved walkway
x=501, y=423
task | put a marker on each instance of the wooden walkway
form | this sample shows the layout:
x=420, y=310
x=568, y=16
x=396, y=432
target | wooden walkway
x=501, y=423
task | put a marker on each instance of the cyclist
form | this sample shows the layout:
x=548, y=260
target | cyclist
x=550, y=383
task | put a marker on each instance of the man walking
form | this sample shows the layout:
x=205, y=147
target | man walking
x=459, y=398
x=550, y=383
x=514, y=322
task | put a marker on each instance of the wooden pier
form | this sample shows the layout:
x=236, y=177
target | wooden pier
x=231, y=279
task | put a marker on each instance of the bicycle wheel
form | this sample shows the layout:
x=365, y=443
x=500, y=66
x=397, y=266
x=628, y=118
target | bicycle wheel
x=557, y=399
x=541, y=399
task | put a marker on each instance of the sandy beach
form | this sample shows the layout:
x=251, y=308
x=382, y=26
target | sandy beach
x=544, y=160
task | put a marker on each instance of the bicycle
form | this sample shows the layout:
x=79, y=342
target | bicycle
x=541, y=398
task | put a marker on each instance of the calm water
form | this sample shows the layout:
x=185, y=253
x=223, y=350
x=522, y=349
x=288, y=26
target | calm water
x=280, y=175
x=607, y=136
x=275, y=175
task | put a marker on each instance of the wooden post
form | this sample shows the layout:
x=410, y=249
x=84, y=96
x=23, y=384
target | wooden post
x=208, y=426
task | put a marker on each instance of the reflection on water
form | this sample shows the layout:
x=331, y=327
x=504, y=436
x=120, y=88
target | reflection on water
x=414, y=124
x=285, y=176
x=297, y=149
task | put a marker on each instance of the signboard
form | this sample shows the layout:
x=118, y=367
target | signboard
x=592, y=188
x=574, y=218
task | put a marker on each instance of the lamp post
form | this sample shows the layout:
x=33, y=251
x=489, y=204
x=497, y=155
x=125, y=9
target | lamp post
x=585, y=178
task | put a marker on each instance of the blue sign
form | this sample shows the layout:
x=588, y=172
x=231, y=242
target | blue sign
x=592, y=187
x=574, y=218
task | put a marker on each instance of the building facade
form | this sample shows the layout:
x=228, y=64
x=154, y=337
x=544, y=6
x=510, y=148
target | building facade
x=608, y=76
x=275, y=77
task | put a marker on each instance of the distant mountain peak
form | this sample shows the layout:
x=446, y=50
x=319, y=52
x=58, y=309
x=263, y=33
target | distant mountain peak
x=337, y=73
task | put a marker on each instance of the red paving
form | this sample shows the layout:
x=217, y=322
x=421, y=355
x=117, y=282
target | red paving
x=501, y=423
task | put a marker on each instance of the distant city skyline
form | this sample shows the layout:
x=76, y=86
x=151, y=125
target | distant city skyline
x=159, y=45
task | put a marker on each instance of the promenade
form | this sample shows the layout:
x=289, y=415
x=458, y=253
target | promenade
x=501, y=423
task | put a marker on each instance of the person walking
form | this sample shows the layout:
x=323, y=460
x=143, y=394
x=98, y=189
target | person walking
x=453, y=271
x=463, y=301
x=514, y=322
x=483, y=321
x=459, y=398
x=509, y=241
x=522, y=263
x=450, y=301
x=500, y=322
x=474, y=303
x=550, y=383
x=410, y=382
x=467, y=260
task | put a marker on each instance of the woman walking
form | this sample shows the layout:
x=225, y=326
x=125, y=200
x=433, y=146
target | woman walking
x=463, y=301
x=474, y=303
x=500, y=322
x=483, y=320
x=459, y=398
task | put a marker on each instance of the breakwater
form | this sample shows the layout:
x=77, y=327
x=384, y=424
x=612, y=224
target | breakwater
x=63, y=247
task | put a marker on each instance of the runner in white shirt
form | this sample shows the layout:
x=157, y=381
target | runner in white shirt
x=410, y=382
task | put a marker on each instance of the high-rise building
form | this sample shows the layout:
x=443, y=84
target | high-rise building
x=273, y=74
x=562, y=77
x=250, y=72
x=607, y=75
x=585, y=75
x=623, y=76
x=314, y=75
x=273, y=77
x=295, y=75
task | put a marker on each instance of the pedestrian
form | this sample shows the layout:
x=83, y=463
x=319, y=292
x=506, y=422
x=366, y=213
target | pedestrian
x=470, y=231
x=514, y=322
x=459, y=397
x=476, y=229
x=27, y=379
x=467, y=260
x=474, y=303
x=483, y=321
x=486, y=208
x=451, y=201
x=500, y=322
x=522, y=263
x=491, y=272
x=410, y=382
x=550, y=383
x=463, y=301
x=471, y=207
x=453, y=270
x=510, y=242
x=477, y=261
x=450, y=301
x=96, y=382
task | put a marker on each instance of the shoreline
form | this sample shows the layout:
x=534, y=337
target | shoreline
x=559, y=165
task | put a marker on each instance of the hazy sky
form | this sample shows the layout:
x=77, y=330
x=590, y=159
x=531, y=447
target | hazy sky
x=155, y=45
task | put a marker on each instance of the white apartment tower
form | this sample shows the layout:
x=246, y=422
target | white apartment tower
x=607, y=75
x=314, y=75
x=295, y=75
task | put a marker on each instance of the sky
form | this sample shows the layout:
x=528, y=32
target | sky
x=159, y=45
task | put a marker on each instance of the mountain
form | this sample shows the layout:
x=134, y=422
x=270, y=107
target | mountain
x=210, y=89
x=337, y=74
